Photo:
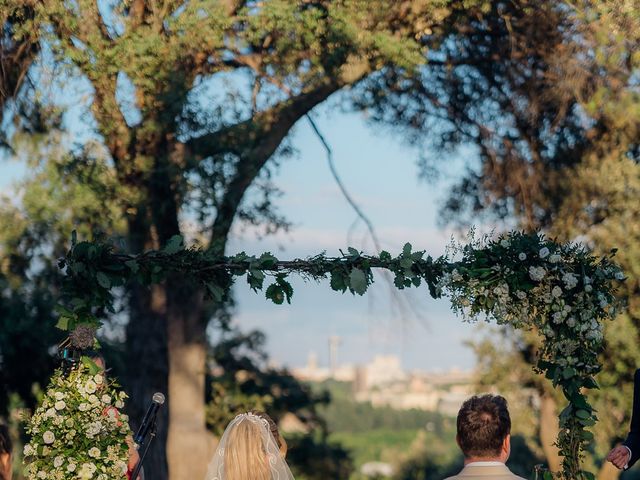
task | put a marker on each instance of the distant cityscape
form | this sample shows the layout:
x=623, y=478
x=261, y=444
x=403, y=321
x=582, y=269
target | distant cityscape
x=383, y=382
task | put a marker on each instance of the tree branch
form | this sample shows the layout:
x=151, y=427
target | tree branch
x=254, y=141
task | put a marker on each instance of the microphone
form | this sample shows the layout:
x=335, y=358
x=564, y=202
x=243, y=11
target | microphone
x=149, y=418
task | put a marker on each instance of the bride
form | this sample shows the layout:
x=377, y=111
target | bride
x=251, y=448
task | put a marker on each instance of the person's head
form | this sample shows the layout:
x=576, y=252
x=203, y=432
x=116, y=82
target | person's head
x=246, y=455
x=5, y=453
x=484, y=428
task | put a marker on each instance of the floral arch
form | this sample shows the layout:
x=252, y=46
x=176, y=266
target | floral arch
x=523, y=280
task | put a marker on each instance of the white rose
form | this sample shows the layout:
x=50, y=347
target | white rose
x=83, y=407
x=90, y=386
x=555, y=258
x=556, y=292
x=71, y=467
x=119, y=404
x=98, y=379
x=48, y=437
x=94, y=452
x=42, y=474
x=59, y=395
x=505, y=243
x=522, y=256
x=106, y=399
x=60, y=405
x=544, y=252
x=571, y=322
x=28, y=450
x=58, y=461
x=588, y=288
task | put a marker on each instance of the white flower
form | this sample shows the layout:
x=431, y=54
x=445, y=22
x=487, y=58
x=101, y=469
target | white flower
x=557, y=317
x=106, y=399
x=555, y=258
x=98, y=379
x=521, y=295
x=93, y=399
x=71, y=467
x=83, y=407
x=522, y=256
x=120, y=403
x=42, y=474
x=570, y=280
x=588, y=288
x=619, y=275
x=60, y=405
x=505, y=243
x=556, y=292
x=59, y=395
x=90, y=386
x=48, y=437
x=122, y=467
x=28, y=450
x=544, y=252
x=94, y=452
x=537, y=273
x=571, y=322
x=58, y=461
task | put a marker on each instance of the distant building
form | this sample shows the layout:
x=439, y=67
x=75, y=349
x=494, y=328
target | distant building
x=384, y=370
x=376, y=469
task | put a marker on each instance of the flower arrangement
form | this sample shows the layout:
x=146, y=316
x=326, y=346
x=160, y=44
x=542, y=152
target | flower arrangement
x=560, y=290
x=78, y=432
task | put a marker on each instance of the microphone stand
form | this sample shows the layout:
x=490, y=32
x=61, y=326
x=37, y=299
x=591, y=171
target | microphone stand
x=147, y=444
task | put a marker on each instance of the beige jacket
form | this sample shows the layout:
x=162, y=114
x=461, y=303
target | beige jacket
x=479, y=472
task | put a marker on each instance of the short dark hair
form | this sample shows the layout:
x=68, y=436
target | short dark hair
x=483, y=424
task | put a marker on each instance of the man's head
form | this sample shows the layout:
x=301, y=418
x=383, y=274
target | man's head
x=484, y=428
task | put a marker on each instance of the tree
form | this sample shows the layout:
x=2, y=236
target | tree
x=173, y=151
x=573, y=171
x=169, y=153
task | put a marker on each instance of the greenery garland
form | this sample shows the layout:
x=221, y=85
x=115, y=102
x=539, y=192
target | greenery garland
x=522, y=280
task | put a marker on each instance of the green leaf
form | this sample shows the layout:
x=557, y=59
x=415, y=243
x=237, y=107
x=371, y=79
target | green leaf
x=175, y=244
x=275, y=294
x=133, y=265
x=63, y=323
x=406, y=250
x=90, y=364
x=267, y=260
x=215, y=291
x=103, y=280
x=358, y=281
x=338, y=281
x=353, y=252
x=583, y=414
x=385, y=256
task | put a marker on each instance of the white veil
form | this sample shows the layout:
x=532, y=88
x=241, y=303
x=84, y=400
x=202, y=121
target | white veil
x=277, y=464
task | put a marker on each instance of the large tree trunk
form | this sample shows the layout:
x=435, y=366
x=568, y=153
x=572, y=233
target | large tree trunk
x=549, y=431
x=189, y=445
x=148, y=368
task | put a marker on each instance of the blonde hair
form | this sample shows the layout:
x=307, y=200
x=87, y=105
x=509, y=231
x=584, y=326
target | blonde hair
x=245, y=457
x=282, y=445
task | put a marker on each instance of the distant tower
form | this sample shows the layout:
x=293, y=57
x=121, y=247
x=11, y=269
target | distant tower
x=312, y=361
x=334, y=343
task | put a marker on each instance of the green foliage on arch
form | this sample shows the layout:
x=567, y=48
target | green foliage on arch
x=525, y=280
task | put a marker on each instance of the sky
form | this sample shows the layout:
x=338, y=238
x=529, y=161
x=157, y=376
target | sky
x=381, y=174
